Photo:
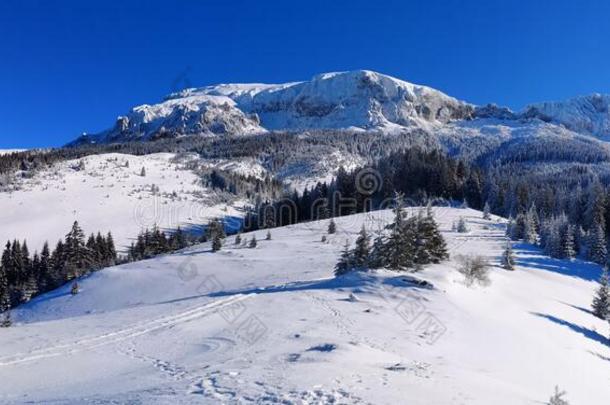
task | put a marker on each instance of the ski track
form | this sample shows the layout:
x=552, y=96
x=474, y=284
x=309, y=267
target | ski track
x=90, y=343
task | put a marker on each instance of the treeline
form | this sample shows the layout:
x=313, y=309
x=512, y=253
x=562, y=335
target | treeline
x=417, y=174
x=23, y=276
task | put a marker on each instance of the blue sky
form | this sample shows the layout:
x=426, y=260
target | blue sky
x=72, y=66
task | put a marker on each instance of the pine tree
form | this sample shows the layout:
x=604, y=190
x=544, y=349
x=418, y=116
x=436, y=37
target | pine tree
x=601, y=301
x=461, y=226
x=435, y=244
x=362, y=250
x=508, y=259
x=268, y=236
x=597, y=249
x=238, y=239
x=253, y=242
x=143, y=172
x=486, y=209
x=510, y=227
x=216, y=243
x=529, y=228
x=346, y=262
x=332, y=227
x=398, y=252
x=568, y=250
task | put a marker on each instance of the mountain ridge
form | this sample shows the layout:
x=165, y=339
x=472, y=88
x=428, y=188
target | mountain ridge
x=361, y=100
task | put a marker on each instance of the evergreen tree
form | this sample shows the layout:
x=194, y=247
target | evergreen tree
x=399, y=249
x=216, y=243
x=332, y=227
x=346, y=262
x=508, y=259
x=601, y=301
x=253, y=242
x=461, y=226
x=238, y=239
x=486, y=209
x=268, y=236
x=435, y=243
x=597, y=248
x=362, y=250
x=143, y=172
x=568, y=249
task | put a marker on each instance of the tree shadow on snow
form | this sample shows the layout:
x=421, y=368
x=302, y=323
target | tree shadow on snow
x=354, y=281
x=531, y=256
x=588, y=333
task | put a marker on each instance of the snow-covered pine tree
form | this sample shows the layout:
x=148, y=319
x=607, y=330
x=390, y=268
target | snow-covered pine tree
x=435, y=243
x=5, y=299
x=268, y=236
x=508, y=259
x=238, y=239
x=376, y=259
x=332, y=227
x=461, y=226
x=597, y=249
x=529, y=228
x=143, y=172
x=362, y=251
x=601, y=301
x=510, y=227
x=568, y=250
x=486, y=211
x=346, y=261
x=253, y=242
x=518, y=229
x=398, y=252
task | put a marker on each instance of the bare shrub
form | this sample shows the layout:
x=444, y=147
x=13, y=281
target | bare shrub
x=475, y=270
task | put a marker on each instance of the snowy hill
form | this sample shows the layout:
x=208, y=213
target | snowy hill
x=108, y=193
x=272, y=325
x=345, y=100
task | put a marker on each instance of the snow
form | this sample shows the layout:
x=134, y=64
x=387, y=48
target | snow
x=360, y=99
x=272, y=325
x=108, y=196
x=586, y=114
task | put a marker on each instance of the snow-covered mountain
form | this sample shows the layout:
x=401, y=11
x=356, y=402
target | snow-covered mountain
x=356, y=100
x=586, y=114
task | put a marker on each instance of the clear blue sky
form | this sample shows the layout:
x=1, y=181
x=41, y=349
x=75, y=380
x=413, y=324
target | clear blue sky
x=73, y=66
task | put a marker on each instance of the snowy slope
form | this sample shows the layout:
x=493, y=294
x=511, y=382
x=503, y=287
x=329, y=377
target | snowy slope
x=108, y=195
x=357, y=100
x=271, y=325
x=586, y=114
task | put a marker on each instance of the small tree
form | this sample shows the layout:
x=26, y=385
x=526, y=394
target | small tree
x=216, y=243
x=557, y=398
x=362, y=250
x=143, y=172
x=75, y=289
x=253, y=242
x=486, y=209
x=461, y=226
x=332, y=227
x=508, y=259
x=238, y=239
x=323, y=240
x=268, y=236
x=601, y=301
x=6, y=320
x=345, y=263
